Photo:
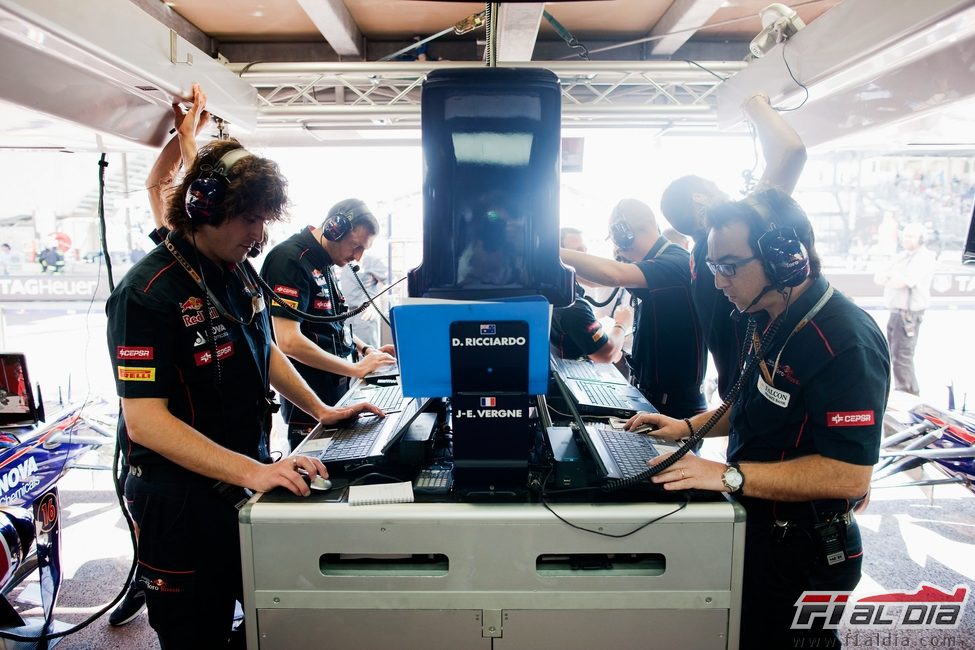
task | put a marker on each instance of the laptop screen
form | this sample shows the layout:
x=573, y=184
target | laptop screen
x=17, y=406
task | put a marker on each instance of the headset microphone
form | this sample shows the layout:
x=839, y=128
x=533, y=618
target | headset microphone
x=736, y=315
x=354, y=268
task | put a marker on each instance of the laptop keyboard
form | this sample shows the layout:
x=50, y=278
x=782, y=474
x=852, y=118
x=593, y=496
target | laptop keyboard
x=631, y=451
x=355, y=441
x=388, y=398
x=582, y=370
x=603, y=395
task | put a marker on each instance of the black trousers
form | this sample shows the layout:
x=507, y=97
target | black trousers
x=778, y=568
x=189, y=561
x=902, y=330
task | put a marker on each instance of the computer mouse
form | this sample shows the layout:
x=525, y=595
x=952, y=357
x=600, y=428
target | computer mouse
x=321, y=484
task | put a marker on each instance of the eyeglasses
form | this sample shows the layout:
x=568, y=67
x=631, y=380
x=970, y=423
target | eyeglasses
x=729, y=269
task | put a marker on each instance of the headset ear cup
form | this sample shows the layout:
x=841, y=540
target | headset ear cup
x=785, y=258
x=337, y=226
x=203, y=199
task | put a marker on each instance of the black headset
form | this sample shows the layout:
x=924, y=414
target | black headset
x=619, y=231
x=337, y=225
x=781, y=252
x=205, y=194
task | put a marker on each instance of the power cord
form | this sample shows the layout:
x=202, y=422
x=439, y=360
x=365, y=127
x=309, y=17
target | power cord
x=798, y=83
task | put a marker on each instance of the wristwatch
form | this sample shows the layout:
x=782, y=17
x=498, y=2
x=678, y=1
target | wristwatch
x=733, y=479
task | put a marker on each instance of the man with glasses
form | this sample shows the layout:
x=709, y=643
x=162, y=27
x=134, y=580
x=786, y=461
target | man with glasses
x=299, y=270
x=805, y=427
x=685, y=203
x=667, y=362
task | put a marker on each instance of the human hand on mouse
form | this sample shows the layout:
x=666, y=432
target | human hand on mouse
x=293, y=473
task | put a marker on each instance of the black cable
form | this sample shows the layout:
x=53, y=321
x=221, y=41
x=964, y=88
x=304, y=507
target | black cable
x=103, y=237
x=565, y=521
x=798, y=83
x=270, y=294
x=690, y=443
x=355, y=273
x=608, y=300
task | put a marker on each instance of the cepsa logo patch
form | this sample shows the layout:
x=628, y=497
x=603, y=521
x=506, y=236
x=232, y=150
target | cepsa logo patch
x=288, y=291
x=205, y=357
x=128, y=373
x=127, y=352
x=324, y=305
x=850, y=418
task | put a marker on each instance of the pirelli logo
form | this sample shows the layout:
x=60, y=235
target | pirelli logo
x=290, y=303
x=850, y=418
x=128, y=373
x=126, y=352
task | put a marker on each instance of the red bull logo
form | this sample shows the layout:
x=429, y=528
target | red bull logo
x=191, y=304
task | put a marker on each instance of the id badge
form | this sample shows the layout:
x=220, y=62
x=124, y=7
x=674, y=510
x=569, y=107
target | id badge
x=346, y=336
x=778, y=397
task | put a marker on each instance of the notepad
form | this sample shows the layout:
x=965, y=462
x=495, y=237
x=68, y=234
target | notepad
x=368, y=495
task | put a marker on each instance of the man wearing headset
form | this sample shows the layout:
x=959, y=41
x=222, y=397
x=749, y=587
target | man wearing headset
x=299, y=270
x=667, y=361
x=190, y=343
x=685, y=203
x=576, y=332
x=805, y=427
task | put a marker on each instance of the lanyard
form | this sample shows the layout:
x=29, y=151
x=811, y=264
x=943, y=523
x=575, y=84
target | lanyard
x=770, y=378
x=250, y=289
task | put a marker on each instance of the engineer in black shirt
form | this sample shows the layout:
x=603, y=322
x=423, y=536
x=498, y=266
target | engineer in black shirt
x=804, y=432
x=299, y=270
x=576, y=332
x=685, y=203
x=190, y=342
x=668, y=354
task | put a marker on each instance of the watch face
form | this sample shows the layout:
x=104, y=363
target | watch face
x=732, y=478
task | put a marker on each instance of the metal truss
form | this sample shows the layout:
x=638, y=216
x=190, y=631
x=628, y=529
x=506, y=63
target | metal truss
x=367, y=96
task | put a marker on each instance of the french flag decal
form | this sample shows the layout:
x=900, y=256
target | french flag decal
x=488, y=401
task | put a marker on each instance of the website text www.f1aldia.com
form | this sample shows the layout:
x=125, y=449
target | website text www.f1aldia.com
x=854, y=639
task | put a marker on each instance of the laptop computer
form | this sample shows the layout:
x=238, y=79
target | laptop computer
x=620, y=454
x=366, y=438
x=586, y=369
x=600, y=398
x=388, y=372
x=389, y=398
x=17, y=405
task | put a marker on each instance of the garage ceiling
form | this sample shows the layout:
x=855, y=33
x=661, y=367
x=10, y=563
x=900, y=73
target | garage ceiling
x=314, y=72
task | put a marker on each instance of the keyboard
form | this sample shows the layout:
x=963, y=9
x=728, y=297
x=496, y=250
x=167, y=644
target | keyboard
x=355, y=441
x=582, y=370
x=603, y=395
x=631, y=451
x=388, y=398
